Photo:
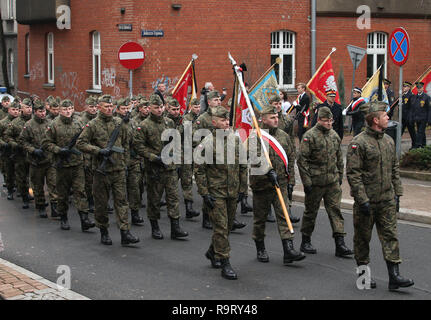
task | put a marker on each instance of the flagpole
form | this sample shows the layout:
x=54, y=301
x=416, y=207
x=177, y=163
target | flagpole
x=277, y=61
x=372, y=77
x=324, y=61
x=185, y=71
x=256, y=126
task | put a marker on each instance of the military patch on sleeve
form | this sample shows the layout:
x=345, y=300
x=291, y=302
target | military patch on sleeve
x=48, y=128
x=139, y=128
x=354, y=146
x=305, y=139
x=87, y=125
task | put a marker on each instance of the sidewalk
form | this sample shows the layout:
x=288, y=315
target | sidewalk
x=17, y=283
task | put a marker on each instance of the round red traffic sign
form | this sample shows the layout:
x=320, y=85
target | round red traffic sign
x=399, y=46
x=131, y=55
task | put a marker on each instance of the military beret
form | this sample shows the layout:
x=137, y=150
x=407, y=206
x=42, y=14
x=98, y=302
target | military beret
x=134, y=98
x=122, y=102
x=143, y=103
x=106, y=98
x=26, y=101
x=376, y=106
x=16, y=98
x=155, y=100
x=5, y=98
x=220, y=112
x=38, y=104
x=91, y=101
x=15, y=104
x=58, y=99
x=194, y=102
x=407, y=84
x=213, y=94
x=324, y=112
x=173, y=102
x=268, y=109
x=274, y=98
x=66, y=103
x=49, y=99
x=331, y=93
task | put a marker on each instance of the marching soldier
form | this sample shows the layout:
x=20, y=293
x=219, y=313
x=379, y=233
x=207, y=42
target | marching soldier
x=321, y=167
x=41, y=168
x=54, y=107
x=163, y=177
x=94, y=140
x=219, y=184
x=5, y=102
x=69, y=163
x=264, y=194
x=336, y=110
x=354, y=110
x=421, y=115
x=373, y=174
x=11, y=136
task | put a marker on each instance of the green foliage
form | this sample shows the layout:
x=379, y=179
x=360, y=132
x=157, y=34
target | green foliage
x=419, y=159
x=340, y=85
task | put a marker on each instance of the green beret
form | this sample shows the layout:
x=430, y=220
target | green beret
x=5, y=98
x=134, y=98
x=66, y=103
x=27, y=101
x=195, y=101
x=324, y=112
x=143, y=103
x=58, y=99
x=376, y=106
x=53, y=103
x=268, y=109
x=155, y=100
x=15, y=104
x=274, y=98
x=106, y=98
x=16, y=98
x=123, y=102
x=173, y=102
x=38, y=104
x=213, y=94
x=91, y=101
x=220, y=112
x=49, y=99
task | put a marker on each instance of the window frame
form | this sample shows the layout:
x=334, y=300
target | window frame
x=50, y=53
x=286, y=45
x=377, y=48
x=96, y=53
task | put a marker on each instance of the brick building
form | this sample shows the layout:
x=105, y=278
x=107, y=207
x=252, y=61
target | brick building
x=82, y=60
x=8, y=45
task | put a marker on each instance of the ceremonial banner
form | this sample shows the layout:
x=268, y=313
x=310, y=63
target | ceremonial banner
x=370, y=91
x=186, y=87
x=242, y=116
x=426, y=79
x=322, y=80
x=263, y=90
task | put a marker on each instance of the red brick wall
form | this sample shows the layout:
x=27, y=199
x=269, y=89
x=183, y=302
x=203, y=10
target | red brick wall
x=208, y=28
x=340, y=31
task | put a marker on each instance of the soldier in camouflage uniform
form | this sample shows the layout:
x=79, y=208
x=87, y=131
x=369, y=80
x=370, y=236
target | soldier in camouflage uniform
x=53, y=107
x=5, y=102
x=133, y=164
x=11, y=136
x=6, y=149
x=69, y=163
x=94, y=140
x=321, y=167
x=163, y=176
x=219, y=183
x=264, y=193
x=373, y=174
x=41, y=167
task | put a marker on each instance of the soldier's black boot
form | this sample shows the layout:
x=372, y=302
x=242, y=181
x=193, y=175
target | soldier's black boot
x=190, y=213
x=290, y=254
x=306, y=245
x=128, y=238
x=25, y=201
x=64, y=223
x=215, y=263
x=270, y=217
x=54, y=213
x=395, y=279
x=42, y=211
x=176, y=231
x=237, y=225
x=85, y=222
x=227, y=271
x=373, y=283
x=262, y=255
x=155, y=230
x=206, y=223
x=91, y=204
x=137, y=220
x=104, y=237
x=245, y=207
x=341, y=249
x=162, y=203
x=10, y=194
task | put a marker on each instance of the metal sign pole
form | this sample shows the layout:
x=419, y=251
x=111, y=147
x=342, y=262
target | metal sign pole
x=131, y=83
x=355, y=66
x=400, y=114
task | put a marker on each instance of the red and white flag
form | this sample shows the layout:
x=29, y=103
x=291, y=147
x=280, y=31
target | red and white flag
x=274, y=144
x=186, y=86
x=242, y=117
x=426, y=79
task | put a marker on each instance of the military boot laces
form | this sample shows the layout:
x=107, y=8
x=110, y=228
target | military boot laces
x=137, y=220
x=270, y=217
x=54, y=213
x=290, y=254
x=227, y=271
x=206, y=223
x=104, y=237
x=245, y=207
x=341, y=249
x=262, y=255
x=215, y=263
x=42, y=211
x=85, y=222
x=237, y=225
x=306, y=245
x=176, y=231
x=64, y=223
x=25, y=201
x=395, y=279
x=128, y=238
x=190, y=213
x=155, y=230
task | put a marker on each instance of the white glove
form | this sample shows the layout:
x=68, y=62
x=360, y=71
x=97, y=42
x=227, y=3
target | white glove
x=344, y=112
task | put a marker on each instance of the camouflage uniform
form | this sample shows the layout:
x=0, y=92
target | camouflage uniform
x=141, y=178
x=8, y=165
x=88, y=171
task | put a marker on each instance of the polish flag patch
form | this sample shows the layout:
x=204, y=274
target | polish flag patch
x=305, y=139
x=354, y=146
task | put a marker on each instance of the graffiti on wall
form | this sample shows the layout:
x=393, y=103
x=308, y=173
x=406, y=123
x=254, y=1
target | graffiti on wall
x=36, y=71
x=70, y=90
x=169, y=82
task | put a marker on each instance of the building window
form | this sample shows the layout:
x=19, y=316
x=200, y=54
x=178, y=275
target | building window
x=376, y=52
x=50, y=57
x=283, y=47
x=96, y=52
x=27, y=53
x=11, y=67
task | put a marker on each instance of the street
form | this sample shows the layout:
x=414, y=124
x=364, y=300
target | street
x=171, y=269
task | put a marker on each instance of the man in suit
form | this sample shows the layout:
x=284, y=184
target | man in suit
x=302, y=102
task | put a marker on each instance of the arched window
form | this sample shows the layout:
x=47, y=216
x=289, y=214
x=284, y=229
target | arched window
x=50, y=57
x=376, y=52
x=283, y=46
x=96, y=52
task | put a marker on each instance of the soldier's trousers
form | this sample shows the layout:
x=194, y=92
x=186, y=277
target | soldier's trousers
x=186, y=176
x=88, y=172
x=167, y=181
x=222, y=217
x=22, y=168
x=421, y=139
x=71, y=178
x=114, y=181
x=262, y=201
x=9, y=173
x=133, y=189
x=331, y=195
x=38, y=175
x=384, y=216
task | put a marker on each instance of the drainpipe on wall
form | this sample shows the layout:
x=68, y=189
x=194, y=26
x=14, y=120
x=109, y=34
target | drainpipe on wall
x=313, y=37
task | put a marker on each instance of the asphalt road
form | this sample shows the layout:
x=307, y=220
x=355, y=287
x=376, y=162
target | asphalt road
x=172, y=269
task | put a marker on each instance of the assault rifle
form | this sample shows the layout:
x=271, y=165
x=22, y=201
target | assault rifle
x=71, y=148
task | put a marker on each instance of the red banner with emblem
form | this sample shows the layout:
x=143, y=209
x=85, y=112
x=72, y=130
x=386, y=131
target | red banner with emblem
x=242, y=121
x=185, y=87
x=322, y=80
x=426, y=79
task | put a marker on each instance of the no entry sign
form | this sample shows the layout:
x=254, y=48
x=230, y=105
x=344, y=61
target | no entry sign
x=131, y=55
x=399, y=46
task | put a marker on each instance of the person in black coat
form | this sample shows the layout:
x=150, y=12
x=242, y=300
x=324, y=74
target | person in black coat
x=337, y=112
x=389, y=92
x=302, y=103
x=420, y=105
x=354, y=110
x=160, y=91
x=407, y=120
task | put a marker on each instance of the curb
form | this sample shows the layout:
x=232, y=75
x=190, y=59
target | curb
x=404, y=214
x=418, y=175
